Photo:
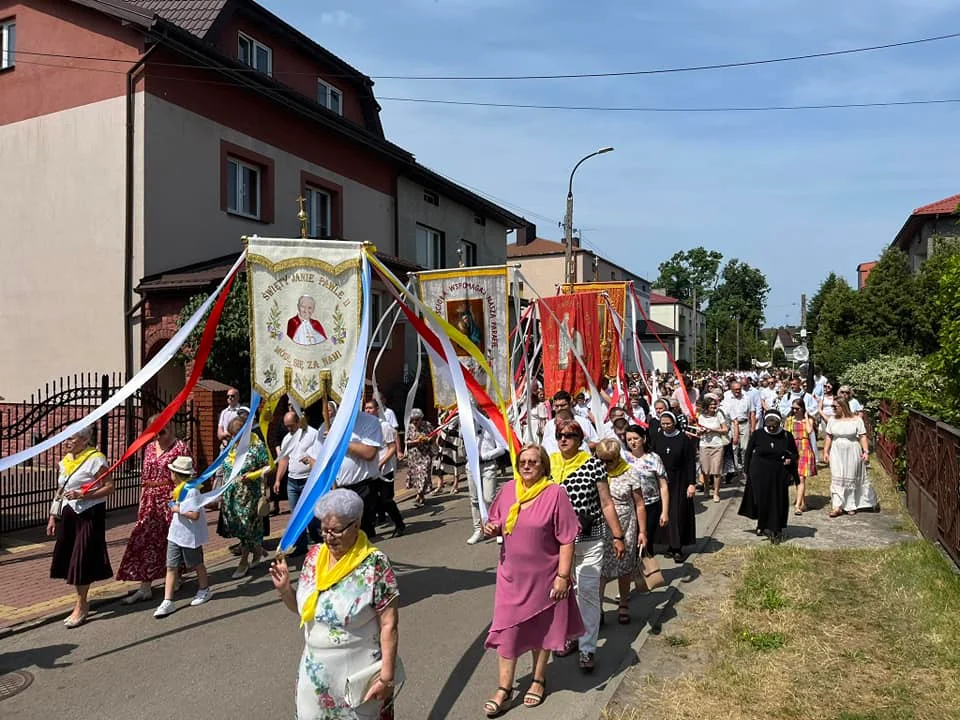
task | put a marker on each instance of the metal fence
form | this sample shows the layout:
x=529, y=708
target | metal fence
x=27, y=490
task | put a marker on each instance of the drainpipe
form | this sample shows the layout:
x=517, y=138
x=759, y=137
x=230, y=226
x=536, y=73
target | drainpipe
x=128, y=308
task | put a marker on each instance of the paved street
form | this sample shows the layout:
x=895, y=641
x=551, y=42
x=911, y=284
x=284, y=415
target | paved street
x=236, y=657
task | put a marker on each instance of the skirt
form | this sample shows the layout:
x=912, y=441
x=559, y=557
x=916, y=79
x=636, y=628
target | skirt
x=711, y=459
x=80, y=553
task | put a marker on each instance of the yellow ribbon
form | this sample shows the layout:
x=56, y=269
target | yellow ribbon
x=71, y=463
x=327, y=577
x=619, y=469
x=562, y=469
x=524, y=495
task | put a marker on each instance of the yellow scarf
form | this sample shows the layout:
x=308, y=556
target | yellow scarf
x=562, y=469
x=71, y=464
x=524, y=495
x=619, y=469
x=327, y=577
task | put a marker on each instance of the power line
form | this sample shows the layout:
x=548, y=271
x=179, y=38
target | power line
x=563, y=76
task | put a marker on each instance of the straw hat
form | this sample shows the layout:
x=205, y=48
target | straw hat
x=183, y=465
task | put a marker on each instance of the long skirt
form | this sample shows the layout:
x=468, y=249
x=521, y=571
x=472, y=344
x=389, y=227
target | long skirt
x=653, y=525
x=80, y=553
x=766, y=497
x=681, y=528
x=145, y=558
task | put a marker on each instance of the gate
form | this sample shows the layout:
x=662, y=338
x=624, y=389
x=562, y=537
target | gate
x=27, y=490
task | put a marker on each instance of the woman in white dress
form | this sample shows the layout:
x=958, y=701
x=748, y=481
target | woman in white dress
x=847, y=449
x=347, y=601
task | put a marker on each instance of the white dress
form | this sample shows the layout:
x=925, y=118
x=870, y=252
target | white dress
x=850, y=487
x=343, y=639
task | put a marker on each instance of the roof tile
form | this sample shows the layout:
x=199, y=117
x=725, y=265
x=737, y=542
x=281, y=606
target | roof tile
x=947, y=206
x=194, y=16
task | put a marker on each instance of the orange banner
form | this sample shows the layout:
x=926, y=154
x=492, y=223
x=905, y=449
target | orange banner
x=617, y=294
x=571, y=322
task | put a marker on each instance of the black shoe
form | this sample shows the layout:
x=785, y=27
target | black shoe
x=399, y=531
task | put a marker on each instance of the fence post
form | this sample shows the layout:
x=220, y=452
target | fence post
x=104, y=421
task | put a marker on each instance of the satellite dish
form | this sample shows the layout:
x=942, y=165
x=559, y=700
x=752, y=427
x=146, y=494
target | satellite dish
x=801, y=353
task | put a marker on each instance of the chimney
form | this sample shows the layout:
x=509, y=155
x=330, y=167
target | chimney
x=576, y=241
x=526, y=234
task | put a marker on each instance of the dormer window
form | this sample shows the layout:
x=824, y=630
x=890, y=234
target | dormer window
x=329, y=97
x=254, y=54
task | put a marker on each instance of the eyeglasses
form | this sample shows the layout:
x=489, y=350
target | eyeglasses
x=528, y=463
x=567, y=436
x=328, y=532
x=231, y=396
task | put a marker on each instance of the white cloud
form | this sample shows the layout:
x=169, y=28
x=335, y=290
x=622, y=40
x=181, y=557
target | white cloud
x=340, y=19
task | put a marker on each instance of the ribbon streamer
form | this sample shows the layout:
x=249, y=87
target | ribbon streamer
x=210, y=471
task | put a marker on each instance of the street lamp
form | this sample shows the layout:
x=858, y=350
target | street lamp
x=571, y=275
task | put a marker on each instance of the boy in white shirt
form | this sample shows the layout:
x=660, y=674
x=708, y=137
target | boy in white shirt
x=185, y=540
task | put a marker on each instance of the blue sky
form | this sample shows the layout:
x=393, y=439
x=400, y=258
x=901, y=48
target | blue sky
x=796, y=194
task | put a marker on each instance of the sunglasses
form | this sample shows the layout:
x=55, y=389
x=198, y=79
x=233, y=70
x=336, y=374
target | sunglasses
x=567, y=436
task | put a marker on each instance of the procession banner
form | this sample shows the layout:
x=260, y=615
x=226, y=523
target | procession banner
x=474, y=300
x=616, y=294
x=305, y=301
x=570, y=328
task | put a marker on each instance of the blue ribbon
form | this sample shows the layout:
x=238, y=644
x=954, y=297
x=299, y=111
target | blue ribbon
x=211, y=471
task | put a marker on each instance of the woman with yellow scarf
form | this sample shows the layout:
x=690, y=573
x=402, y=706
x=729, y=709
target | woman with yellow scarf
x=346, y=599
x=535, y=607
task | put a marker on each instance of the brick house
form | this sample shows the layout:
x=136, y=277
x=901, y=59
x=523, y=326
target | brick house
x=925, y=226
x=141, y=140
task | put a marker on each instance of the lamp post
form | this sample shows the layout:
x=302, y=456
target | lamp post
x=570, y=273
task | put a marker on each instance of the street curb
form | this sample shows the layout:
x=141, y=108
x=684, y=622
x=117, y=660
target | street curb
x=632, y=656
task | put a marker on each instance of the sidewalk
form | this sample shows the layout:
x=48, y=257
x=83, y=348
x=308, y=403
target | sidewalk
x=29, y=596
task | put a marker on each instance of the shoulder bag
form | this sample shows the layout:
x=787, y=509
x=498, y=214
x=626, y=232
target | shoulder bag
x=648, y=573
x=358, y=684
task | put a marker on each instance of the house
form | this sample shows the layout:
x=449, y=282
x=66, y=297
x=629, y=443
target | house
x=918, y=236
x=787, y=339
x=684, y=324
x=141, y=140
x=863, y=272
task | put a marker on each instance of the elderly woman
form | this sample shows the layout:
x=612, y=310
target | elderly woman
x=347, y=600
x=627, y=494
x=535, y=607
x=144, y=560
x=679, y=460
x=847, y=450
x=420, y=447
x=770, y=464
x=585, y=479
x=238, y=504
x=80, y=553
x=712, y=427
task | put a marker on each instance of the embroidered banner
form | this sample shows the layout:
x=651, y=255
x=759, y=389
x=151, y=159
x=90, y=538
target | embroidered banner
x=474, y=300
x=616, y=293
x=570, y=323
x=305, y=299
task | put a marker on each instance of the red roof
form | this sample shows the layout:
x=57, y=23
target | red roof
x=539, y=246
x=947, y=206
x=658, y=299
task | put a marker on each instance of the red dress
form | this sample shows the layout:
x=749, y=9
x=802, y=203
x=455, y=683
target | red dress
x=145, y=558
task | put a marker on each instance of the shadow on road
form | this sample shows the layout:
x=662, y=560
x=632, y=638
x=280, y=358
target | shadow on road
x=44, y=658
x=418, y=582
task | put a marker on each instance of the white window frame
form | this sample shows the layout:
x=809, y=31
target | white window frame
x=313, y=228
x=378, y=308
x=254, y=46
x=325, y=93
x=469, y=253
x=236, y=201
x=434, y=251
x=8, y=50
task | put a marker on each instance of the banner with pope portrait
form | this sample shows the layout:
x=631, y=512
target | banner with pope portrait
x=474, y=300
x=305, y=302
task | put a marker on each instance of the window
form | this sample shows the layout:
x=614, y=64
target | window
x=319, y=204
x=377, y=308
x=243, y=188
x=255, y=54
x=330, y=97
x=613, y=274
x=468, y=254
x=8, y=44
x=430, y=248
x=431, y=198
x=480, y=220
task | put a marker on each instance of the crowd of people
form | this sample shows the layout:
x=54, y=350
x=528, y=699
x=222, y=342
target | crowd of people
x=589, y=501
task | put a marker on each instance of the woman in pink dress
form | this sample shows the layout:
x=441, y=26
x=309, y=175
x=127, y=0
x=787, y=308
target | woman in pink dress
x=535, y=607
x=145, y=558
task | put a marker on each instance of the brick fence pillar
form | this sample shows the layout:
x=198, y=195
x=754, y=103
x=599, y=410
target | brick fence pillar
x=209, y=398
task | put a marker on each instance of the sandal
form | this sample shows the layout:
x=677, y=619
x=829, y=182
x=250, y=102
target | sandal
x=623, y=615
x=798, y=511
x=569, y=648
x=493, y=709
x=835, y=513
x=586, y=662
x=531, y=699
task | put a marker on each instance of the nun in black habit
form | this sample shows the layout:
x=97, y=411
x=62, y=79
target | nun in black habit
x=770, y=466
x=679, y=458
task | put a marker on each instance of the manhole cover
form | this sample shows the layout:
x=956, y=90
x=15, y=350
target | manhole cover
x=15, y=682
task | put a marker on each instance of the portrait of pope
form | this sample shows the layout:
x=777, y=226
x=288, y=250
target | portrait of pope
x=302, y=328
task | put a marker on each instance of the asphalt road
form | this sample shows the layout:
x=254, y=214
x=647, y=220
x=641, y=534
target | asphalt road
x=237, y=656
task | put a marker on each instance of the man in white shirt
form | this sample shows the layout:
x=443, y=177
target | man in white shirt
x=636, y=410
x=768, y=395
x=756, y=407
x=561, y=401
x=606, y=430
x=361, y=468
x=491, y=452
x=738, y=407
x=294, y=447
x=819, y=382
x=231, y=411
x=391, y=417
x=387, y=460
x=846, y=392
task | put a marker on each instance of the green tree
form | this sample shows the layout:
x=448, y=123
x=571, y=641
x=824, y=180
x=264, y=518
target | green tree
x=888, y=306
x=229, y=360
x=688, y=271
x=816, y=303
x=927, y=287
x=741, y=295
x=947, y=360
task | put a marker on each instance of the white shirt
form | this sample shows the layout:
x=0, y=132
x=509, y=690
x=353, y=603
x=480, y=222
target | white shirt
x=368, y=431
x=189, y=533
x=637, y=412
x=227, y=415
x=390, y=416
x=768, y=398
x=389, y=439
x=294, y=447
x=490, y=446
x=87, y=472
x=550, y=435
x=755, y=405
x=737, y=408
x=809, y=402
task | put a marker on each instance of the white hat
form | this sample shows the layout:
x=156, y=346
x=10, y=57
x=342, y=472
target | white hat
x=183, y=465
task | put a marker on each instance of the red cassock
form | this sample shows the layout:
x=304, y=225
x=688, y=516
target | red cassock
x=294, y=323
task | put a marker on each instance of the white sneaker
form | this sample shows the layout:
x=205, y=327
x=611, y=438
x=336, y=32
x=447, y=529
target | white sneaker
x=167, y=607
x=475, y=538
x=202, y=596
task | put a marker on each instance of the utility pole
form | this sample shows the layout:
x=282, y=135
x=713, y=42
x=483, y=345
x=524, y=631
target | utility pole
x=738, y=342
x=716, y=343
x=570, y=272
x=696, y=319
x=803, y=315
x=596, y=268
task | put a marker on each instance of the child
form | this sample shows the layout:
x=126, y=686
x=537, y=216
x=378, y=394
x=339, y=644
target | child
x=185, y=540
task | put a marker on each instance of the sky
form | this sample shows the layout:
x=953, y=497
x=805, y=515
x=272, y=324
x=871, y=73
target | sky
x=796, y=194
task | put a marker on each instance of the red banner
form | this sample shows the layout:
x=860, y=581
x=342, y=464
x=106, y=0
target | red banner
x=568, y=322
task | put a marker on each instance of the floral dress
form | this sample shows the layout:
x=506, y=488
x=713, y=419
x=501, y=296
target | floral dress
x=621, y=490
x=238, y=504
x=145, y=558
x=419, y=457
x=343, y=639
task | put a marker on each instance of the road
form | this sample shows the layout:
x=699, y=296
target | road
x=237, y=656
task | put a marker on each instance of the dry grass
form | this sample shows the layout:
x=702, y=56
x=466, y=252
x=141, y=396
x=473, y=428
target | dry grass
x=811, y=635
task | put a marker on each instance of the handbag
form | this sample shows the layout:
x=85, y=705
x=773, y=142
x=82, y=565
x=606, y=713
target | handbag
x=649, y=573
x=358, y=684
x=263, y=505
x=56, y=507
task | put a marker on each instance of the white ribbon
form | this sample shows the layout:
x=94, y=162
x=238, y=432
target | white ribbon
x=166, y=354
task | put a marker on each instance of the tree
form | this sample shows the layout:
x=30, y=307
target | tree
x=740, y=298
x=688, y=271
x=947, y=359
x=816, y=303
x=838, y=341
x=229, y=360
x=888, y=305
x=927, y=287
